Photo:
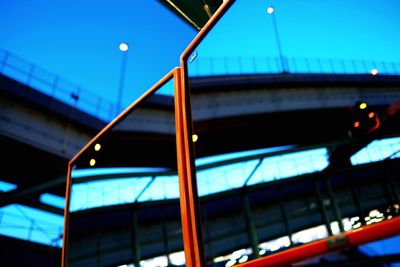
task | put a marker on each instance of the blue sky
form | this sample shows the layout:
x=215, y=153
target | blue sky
x=356, y=29
x=360, y=30
x=78, y=40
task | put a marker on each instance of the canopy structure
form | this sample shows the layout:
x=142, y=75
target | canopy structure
x=196, y=13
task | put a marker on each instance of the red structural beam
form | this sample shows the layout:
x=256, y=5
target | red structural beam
x=340, y=242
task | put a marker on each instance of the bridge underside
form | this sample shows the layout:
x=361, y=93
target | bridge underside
x=279, y=209
x=246, y=112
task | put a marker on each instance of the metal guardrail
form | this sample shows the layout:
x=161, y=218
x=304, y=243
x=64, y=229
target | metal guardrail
x=201, y=66
x=72, y=94
x=55, y=86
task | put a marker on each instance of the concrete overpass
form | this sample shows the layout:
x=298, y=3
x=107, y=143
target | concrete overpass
x=40, y=134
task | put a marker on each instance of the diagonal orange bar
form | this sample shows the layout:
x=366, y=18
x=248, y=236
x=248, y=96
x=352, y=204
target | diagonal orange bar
x=173, y=74
x=346, y=240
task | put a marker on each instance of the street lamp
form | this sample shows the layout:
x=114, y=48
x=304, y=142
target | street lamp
x=271, y=11
x=123, y=47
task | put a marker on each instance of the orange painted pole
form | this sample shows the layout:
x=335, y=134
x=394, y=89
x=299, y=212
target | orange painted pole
x=190, y=210
x=190, y=240
x=64, y=253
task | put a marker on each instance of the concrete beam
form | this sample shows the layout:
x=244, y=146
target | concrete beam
x=41, y=130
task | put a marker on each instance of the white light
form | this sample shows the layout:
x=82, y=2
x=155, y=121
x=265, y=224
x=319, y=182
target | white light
x=219, y=259
x=238, y=253
x=378, y=219
x=177, y=258
x=97, y=147
x=375, y=213
x=230, y=263
x=243, y=259
x=374, y=72
x=311, y=234
x=270, y=10
x=195, y=137
x=347, y=224
x=123, y=47
x=303, y=239
x=160, y=261
x=335, y=228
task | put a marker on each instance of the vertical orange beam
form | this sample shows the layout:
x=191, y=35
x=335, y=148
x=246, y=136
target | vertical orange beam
x=192, y=238
x=64, y=252
x=190, y=210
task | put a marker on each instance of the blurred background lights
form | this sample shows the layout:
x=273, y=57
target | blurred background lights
x=195, y=137
x=123, y=47
x=177, y=258
x=374, y=71
x=270, y=10
x=92, y=162
x=363, y=105
x=97, y=147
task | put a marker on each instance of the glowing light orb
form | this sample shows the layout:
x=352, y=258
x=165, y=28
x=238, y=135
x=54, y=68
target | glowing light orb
x=97, y=147
x=363, y=105
x=123, y=47
x=374, y=72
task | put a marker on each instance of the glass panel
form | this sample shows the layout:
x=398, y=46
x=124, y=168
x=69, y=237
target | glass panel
x=52, y=200
x=124, y=206
x=5, y=186
x=293, y=140
x=35, y=225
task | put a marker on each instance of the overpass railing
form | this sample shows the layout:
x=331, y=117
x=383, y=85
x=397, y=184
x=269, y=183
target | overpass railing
x=87, y=101
x=54, y=86
x=203, y=66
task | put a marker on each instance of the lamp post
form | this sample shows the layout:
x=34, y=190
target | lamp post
x=123, y=47
x=271, y=11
